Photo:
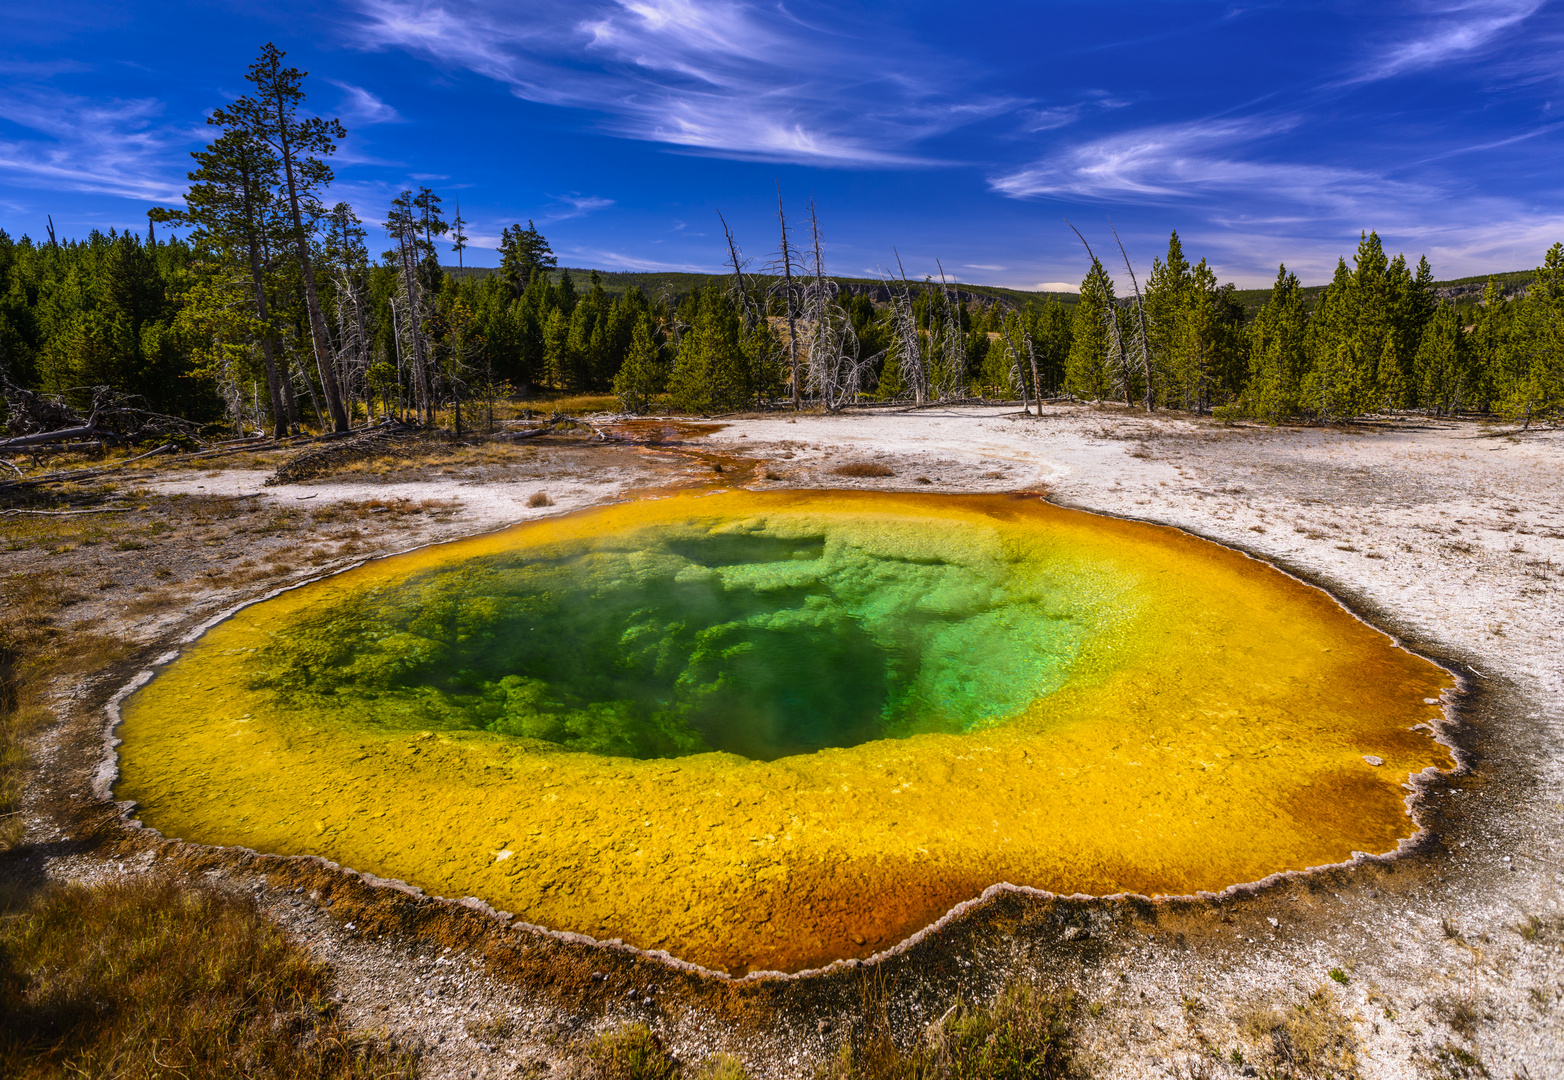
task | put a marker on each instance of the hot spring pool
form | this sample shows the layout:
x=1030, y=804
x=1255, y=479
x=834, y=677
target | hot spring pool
x=769, y=730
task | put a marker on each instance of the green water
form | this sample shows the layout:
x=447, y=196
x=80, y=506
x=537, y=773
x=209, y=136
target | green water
x=760, y=641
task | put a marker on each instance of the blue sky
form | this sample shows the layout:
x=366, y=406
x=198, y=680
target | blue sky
x=968, y=133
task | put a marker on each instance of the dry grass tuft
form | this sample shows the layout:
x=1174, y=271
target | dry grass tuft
x=1024, y=1034
x=1310, y=1039
x=864, y=469
x=540, y=498
x=633, y=1052
x=721, y=1067
x=152, y=980
x=33, y=650
x=630, y=1053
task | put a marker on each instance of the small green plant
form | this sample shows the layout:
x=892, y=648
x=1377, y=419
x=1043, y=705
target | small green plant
x=1530, y=928
x=1024, y=1034
x=1459, y=1063
x=1338, y=975
x=630, y=1053
x=720, y=1067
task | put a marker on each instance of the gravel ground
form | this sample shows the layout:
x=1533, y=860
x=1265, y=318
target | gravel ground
x=1446, y=960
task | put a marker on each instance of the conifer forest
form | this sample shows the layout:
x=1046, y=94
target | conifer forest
x=265, y=305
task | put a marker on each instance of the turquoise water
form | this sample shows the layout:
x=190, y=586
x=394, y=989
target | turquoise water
x=759, y=641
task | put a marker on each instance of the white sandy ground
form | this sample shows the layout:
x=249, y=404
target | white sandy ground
x=1450, y=535
x=1453, y=532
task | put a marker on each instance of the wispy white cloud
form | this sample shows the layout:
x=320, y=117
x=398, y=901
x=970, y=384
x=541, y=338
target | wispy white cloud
x=111, y=146
x=734, y=78
x=1242, y=204
x=1205, y=161
x=1058, y=116
x=360, y=107
x=601, y=259
x=574, y=206
x=1447, y=30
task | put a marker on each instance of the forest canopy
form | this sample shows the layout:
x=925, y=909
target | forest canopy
x=265, y=307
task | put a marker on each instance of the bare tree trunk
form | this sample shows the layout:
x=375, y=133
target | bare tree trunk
x=1140, y=310
x=320, y=414
x=1111, y=318
x=740, y=295
x=792, y=320
x=1037, y=383
x=1020, y=372
x=269, y=361
x=423, y=407
x=1118, y=343
x=913, y=368
x=301, y=245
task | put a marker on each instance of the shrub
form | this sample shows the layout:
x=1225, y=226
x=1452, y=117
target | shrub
x=863, y=469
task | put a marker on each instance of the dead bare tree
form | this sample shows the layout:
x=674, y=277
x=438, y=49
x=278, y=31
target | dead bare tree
x=403, y=228
x=39, y=419
x=785, y=266
x=1017, y=370
x=834, y=371
x=1140, y=311
x=1117, y=360
x=950, y=382
x=751, y=303
x=911, y=362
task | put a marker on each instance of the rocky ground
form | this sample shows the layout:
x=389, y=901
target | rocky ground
x=1444, y=961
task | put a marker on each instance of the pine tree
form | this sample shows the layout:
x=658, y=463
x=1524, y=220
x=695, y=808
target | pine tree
x=524, y=254
x=1277, y=356
x=301, y=147
x=1529, y=374
x=459, y=235
x=643, y=373
x=1441, y=365
x=1091, y=338
x=556, y=349
x=1353, y=348
x=230, y=207
x=711, y=371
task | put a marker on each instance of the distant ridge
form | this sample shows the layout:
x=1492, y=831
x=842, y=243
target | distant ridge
x=683, y=283
x=1464, y=292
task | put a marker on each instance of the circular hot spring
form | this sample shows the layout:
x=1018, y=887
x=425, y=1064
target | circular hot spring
x=765, y=731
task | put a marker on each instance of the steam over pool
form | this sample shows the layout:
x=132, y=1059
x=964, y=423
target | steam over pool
x=771, y=730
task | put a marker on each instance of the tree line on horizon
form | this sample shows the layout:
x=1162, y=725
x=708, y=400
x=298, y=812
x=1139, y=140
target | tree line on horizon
x=270, y=312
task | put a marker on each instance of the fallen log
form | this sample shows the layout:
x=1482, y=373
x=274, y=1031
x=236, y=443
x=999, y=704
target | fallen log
x=68, y=513
x=58, y=435
x=533, y=433
x=84, y=474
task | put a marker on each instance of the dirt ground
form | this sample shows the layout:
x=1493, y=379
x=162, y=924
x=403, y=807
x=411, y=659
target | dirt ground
x=1445, y=960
